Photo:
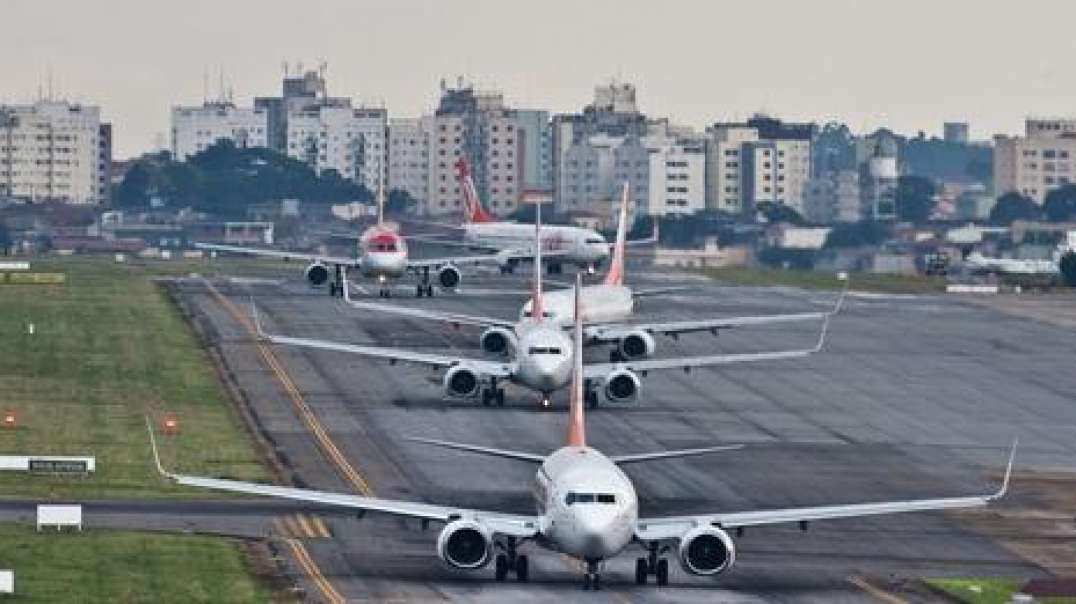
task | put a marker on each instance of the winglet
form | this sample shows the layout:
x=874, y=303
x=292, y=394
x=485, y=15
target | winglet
x=822, y=335
x=1008, y=473
x=156, y=454
x=346, y=292
x=844, y=292
x=257, y=320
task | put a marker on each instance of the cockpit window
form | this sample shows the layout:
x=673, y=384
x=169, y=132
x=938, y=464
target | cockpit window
x=574, y=498
x=595, y=240
x=384, y=247
x=545, y=314
x=543, y=350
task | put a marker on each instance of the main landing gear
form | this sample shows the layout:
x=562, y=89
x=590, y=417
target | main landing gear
x=652, y=565
x=424, y=287
x=590, y=395
x=336, y=286
x=510, y=561
x=493, y=394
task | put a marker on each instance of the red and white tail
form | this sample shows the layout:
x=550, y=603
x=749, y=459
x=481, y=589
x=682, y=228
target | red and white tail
x=615, y=276
x=472, y=206
x=537, y=305
x=576, y=425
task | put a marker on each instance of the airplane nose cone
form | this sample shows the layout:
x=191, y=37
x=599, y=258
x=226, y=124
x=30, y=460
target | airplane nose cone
x=595, y=534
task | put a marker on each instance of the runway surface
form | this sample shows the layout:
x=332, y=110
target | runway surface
x=912, y=397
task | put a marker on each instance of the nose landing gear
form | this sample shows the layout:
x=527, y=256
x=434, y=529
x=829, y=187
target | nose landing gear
x=592, y=578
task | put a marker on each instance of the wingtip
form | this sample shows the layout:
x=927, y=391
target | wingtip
x=844, y=292
x=822, y=335
x=1008, y=471
x=153, y=447
x=256, y=319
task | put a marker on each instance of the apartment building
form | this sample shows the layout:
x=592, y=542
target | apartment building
x=1040, y=161
x=409, y=156
x=195, y=128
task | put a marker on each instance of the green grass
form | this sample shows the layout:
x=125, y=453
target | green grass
x=108, y=348
x=127, y=566
x=986, y=590
x=820, y=280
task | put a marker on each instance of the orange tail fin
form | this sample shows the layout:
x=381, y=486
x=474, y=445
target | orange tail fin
x=473, y=210
x=576, y=424
x=615, y=276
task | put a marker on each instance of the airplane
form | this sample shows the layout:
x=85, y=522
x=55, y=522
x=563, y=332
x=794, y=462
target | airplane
x=608, y=305
x=586, y=508
x=541, y=360
x=381, y=255
x=586, y=248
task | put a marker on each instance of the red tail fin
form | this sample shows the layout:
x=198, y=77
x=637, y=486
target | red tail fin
x=615, y=276
x=576, y=424
x=472, y=206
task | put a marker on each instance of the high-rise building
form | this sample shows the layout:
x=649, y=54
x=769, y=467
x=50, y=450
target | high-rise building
x=1033, y=165
x=955, y=132
x=677, y=179
x=194, y=128
x=54, y=151
x=724, y=147
x=409, y=156
x=339, y=137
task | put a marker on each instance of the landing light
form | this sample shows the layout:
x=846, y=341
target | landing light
x=381, y=278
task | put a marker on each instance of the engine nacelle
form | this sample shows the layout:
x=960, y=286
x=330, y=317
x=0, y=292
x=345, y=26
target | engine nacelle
x=316, y=273
x=465, y=544
x=449, y=277
x=637, y=345
x=706, y=550
x=461, y=382
x=622, y=386
x=498, y=340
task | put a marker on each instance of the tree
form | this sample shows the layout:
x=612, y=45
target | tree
x=856, y=234
x=5, y=239
x=400, y=202
x=1068, y=268
x=1014, y=206
x=133, y=192
x=915, y=198
x=1060, y=204
x=779, y=212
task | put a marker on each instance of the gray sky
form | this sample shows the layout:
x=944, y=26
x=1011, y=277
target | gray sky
x=909, y=65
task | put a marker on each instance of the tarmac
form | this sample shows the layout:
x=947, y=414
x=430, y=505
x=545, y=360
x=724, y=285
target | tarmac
x=912, y=396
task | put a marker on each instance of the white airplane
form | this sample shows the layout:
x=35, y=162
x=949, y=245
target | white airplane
x=542, y=358
x=608, y=306
x=586, y=508
x=381, y=255
x=980, y=264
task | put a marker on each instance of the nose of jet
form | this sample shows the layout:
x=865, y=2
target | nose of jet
x=596, y=532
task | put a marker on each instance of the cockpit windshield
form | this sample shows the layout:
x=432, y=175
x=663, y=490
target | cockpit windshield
x=379, y=246
x=543, y=350
x=545, y=314
x=573, y=498
x=595, y=240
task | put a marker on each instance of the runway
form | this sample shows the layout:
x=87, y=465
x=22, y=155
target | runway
x=912, y=397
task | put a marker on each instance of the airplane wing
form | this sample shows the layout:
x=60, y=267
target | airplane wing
x=672, y=527
x=505, y=524
x=393, y=355
x=455, y=319
x=600, y=370
x=617, y=331
x=254, y=251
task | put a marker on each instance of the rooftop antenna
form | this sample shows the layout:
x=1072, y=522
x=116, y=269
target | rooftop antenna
x=220, y=90
x=50, y=84
x=284, y=64
x=205, y=84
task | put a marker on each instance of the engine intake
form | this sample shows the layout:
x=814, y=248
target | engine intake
x=498, y=340
x=706, y=550
x=637, y=345
x=622, y=386
x=449, y=277
x=316, y=273
x=465, y=544
x=461, y=382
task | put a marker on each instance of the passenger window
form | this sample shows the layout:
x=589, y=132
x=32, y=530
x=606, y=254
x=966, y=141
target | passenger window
x=606, y=498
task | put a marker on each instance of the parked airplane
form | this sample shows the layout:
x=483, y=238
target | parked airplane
x=586, y=508
x=381, y=255
x=541, y=360
x=608, y=307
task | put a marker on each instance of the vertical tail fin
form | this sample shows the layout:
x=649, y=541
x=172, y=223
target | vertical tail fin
x=537, y=307
x=576, y=424
x=615, y=276
x=472, y=206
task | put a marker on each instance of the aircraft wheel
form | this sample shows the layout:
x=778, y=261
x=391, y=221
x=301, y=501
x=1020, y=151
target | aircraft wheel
x=640, y=571
x=500, y=397
x=429, y=291
x=591, y=398
x=500, y=567
x=486, y=396
x=663, y=572
x=522, y=570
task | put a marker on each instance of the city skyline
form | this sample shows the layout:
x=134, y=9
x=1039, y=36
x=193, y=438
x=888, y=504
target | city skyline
x=907, y=70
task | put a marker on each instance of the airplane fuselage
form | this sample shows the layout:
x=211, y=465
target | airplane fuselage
x=588, y=505
x=600, y=303
x=544, y=356
x=576, y=245
x=382, y=253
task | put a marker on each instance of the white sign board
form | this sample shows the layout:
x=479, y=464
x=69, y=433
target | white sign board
x=14, y=266
x=7, y=581
x=48, y=464
x=59, y=516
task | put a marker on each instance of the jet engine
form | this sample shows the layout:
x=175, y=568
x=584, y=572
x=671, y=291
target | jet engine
x=637, y=345
x=317, y=273
x=498, y=340
x=622, y=386
x=465, y=544
x=461, y=382
x=706, y=550
x=448, y=277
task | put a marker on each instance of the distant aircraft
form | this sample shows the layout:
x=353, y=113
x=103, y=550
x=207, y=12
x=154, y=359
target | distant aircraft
x=381, y=255
x=608, y=307
x=541, y=359
x=979, y=264
x=587, y=508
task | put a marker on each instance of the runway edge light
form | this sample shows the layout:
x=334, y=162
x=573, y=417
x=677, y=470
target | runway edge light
x=170, y=425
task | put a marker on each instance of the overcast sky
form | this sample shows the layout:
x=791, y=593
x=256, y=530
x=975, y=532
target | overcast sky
x=910, y=65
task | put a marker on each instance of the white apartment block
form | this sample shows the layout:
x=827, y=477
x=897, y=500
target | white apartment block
x=723, y=166
x=446, y=148
x=409, y=156
x=1043, y=160
x=677, y=180
x=196, y=128
x=53, y=151
x=776, y=171
x=594, y=170
x=339, y=137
